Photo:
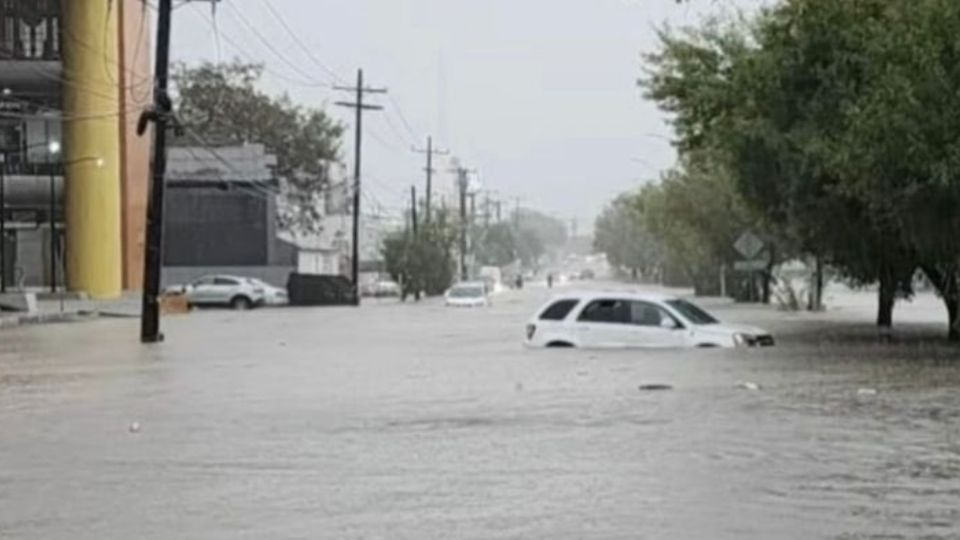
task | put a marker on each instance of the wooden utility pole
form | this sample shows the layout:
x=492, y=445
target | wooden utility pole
x=462, y=184
x=413, y=209
x=359, y=106
x=160, y=116
x=430, y=152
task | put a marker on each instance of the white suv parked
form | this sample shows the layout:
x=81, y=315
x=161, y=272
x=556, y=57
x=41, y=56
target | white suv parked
x=634, y=320
x=232, y=291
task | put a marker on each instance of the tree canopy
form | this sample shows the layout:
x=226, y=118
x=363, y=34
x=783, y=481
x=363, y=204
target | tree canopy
x=220, y=104
x=835, y=123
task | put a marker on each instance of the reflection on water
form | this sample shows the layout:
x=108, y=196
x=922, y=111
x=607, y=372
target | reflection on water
x=420, y=422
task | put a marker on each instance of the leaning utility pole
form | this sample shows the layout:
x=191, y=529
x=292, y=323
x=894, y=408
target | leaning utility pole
x=359, y=106
x=430, y=152
x=159, y=114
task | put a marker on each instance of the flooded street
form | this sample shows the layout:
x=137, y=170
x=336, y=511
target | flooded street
x=419, y=422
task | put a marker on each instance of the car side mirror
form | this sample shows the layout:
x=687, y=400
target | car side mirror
x=668, y=324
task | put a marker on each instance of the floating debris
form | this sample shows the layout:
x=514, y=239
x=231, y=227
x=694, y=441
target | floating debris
x=867, y=392
x=654, y=387
x=135, y=427
x=747, y=385
x=518, y=387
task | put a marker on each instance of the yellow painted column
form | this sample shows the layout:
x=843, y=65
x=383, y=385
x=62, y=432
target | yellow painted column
x=91, y=107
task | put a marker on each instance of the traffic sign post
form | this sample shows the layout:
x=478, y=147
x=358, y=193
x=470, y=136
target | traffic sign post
x=750, y=266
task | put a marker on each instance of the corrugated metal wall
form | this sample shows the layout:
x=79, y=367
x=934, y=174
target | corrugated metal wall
x=214, y=227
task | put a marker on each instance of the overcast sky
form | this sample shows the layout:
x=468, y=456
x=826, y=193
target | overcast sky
x=539, y=95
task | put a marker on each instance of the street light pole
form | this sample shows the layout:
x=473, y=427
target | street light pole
x=53, y=149
x=53, y=232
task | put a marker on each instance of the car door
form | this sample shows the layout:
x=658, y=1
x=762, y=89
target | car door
x=224, y=289
x=604, y=323
x=652, y=326
x=201, y=290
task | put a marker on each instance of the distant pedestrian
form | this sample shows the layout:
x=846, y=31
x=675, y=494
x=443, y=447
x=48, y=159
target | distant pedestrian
x=519, y=281
x=550, y=281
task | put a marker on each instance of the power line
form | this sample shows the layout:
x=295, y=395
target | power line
x=266, y=42
x=300, y=43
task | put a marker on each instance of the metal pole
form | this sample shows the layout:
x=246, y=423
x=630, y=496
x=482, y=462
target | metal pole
x=53, y=232
x=429, y=177
x=355, y=270
x=3, y=225
x=463, y=223
x=153, y=255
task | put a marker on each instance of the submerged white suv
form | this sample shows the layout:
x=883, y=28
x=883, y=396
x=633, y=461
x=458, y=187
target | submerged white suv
x=634, y=320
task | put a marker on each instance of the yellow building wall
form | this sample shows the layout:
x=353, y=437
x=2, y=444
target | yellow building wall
x=91, y=146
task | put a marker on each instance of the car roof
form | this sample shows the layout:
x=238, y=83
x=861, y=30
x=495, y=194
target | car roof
x=625, y=294
x=470, y=284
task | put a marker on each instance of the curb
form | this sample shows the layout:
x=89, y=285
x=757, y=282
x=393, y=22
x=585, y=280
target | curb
x=44, y=318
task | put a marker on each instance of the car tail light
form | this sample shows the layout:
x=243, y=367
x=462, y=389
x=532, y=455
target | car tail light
x=531, y=330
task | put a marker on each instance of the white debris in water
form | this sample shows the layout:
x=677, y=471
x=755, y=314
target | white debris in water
x=135, y=427
x=867, y=392
x=747, y=385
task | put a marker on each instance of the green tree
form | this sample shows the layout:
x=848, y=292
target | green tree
x=220, y=104
x=770, y=99
x=496, y=245
x=422, y=263
x=621, y=233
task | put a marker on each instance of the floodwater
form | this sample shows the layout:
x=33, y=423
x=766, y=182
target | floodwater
x=420, y=422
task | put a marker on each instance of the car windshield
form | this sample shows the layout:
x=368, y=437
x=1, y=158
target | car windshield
x=692, y=312
x=466, y=292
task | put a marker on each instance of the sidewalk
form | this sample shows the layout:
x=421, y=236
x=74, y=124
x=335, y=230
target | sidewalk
x=68, y=308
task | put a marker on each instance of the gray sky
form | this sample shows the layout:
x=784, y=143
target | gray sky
x=540, y=95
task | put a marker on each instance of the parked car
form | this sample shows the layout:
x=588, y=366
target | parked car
x=221, y=290
x=629, y=320
x=587, y=274
x=272, y=295
x=381, y=289
x=468, y=294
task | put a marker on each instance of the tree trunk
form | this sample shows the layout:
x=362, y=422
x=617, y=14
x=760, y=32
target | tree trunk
x=945, y=281
x=887, y=298
x=953, y=311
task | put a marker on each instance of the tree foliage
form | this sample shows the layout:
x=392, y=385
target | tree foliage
x=838, y=123
x=621, y=233
x=423, y=263
x=496, y=245
x=220, y=104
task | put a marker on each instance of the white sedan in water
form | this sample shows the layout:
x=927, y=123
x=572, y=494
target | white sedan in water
x=634, y=320
x=468, y=294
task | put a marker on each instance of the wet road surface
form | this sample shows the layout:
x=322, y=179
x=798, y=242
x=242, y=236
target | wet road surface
x=420, y=422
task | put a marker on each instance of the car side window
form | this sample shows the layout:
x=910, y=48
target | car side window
x=203, y=281
x=559, y=310
x=647, y=314
x=224, y=281
x=606, y=311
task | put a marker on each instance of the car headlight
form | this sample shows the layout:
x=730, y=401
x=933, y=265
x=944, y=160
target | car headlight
x=743, y=340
